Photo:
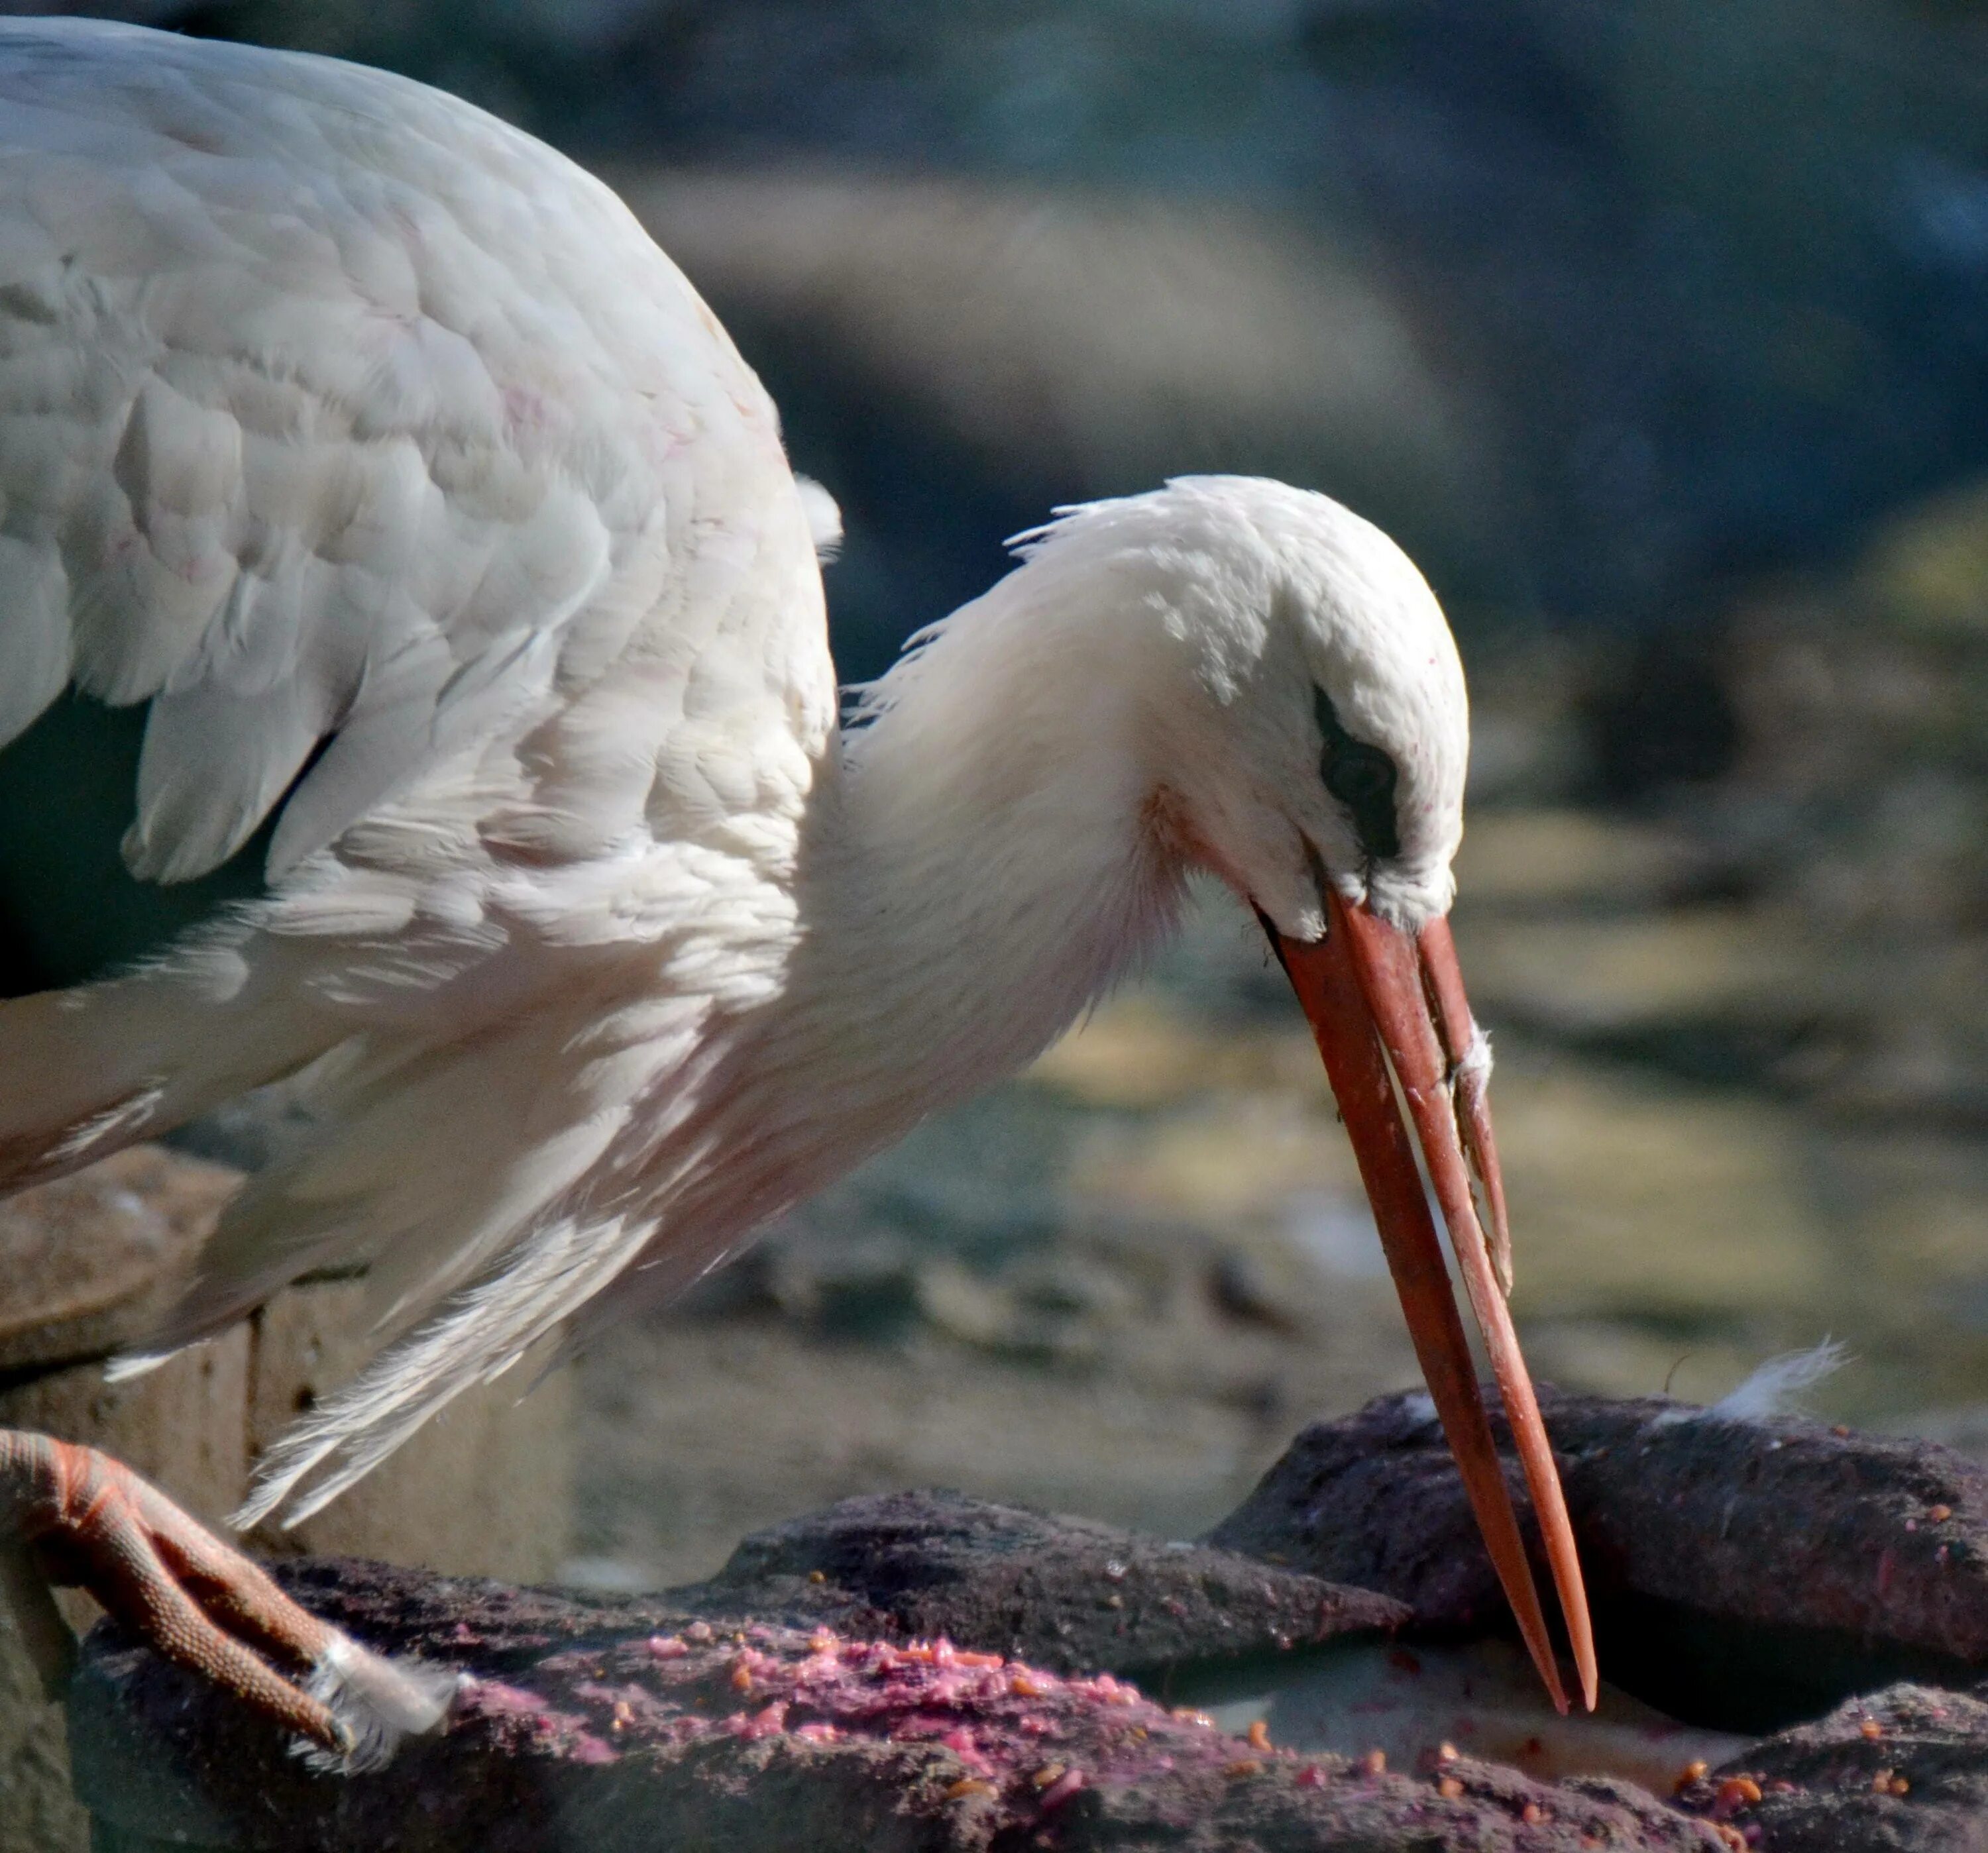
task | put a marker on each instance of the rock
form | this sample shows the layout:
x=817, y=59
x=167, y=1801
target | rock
x=927, y=1671
x=1743, y=1573
x=1902, y=1771
x=91, y=1261
x=900, y=1568
x=1483, y=1698
x=619, y=1727
x=87, y=1263
x=1064, y=1593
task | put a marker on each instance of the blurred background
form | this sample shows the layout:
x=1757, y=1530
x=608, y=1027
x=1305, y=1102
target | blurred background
x=1659, y=333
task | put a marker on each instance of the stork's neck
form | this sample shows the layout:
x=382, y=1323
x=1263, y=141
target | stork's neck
x=978, y=861
x=985, y=858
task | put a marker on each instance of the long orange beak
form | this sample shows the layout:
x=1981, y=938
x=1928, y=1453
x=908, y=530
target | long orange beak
x=1367, y=987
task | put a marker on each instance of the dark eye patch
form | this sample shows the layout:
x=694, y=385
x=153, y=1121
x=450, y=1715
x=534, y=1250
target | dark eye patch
x=1361, y=776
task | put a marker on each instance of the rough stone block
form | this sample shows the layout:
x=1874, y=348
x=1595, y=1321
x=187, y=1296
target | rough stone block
x=182, y=1425
x=87, y=1264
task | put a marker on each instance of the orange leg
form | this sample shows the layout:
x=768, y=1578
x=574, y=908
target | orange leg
x=70, y=1515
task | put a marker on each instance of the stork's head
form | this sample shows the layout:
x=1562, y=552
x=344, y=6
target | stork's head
x=1308, y=725
x=1301, y=712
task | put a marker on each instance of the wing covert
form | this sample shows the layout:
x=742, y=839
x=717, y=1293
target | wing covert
x=346, y=427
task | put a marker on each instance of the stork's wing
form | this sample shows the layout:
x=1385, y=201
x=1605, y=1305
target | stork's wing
x=379, y=450
x=348, y=427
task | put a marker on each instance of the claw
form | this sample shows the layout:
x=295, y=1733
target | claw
x=70, y=1514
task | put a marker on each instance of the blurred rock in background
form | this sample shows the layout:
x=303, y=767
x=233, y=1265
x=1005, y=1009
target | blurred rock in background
x=954, y=358
x=1710, y=290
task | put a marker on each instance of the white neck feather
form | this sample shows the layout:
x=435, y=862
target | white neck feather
x=997, y=861
x=992, y=861
x=979, y=865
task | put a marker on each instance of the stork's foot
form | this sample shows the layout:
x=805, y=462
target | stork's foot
x=71, y=1516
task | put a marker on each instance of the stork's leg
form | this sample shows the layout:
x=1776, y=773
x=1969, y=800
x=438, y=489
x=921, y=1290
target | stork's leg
x=69, y=1515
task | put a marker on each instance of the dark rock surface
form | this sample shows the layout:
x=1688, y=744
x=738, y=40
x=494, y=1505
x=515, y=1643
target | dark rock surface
x=1905, y=1767
x=1744, y=1574
x=1068, y=1594
x=797, y=1699
x=579, y=1730
x=931, y=1672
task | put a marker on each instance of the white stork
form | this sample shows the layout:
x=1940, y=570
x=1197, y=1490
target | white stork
x=374, y=446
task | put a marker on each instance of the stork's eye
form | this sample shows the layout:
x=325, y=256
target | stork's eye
x=1359, y=775
x=1362, y=778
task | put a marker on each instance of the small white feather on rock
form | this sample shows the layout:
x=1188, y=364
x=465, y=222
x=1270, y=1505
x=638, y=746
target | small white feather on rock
x=1776, y=1388
x=378, y=1701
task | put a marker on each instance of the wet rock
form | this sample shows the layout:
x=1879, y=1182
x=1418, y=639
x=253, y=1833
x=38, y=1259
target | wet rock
x=1744, y=1573
x=1903, y=1769
x=1065, y=1593
x=576, y=1729
x=1483, y=1698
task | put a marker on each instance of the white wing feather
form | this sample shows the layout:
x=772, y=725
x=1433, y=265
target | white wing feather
x=368, y=439
x=323, y=398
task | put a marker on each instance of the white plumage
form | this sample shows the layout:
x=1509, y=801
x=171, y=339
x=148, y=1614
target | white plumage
x=337, y=419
